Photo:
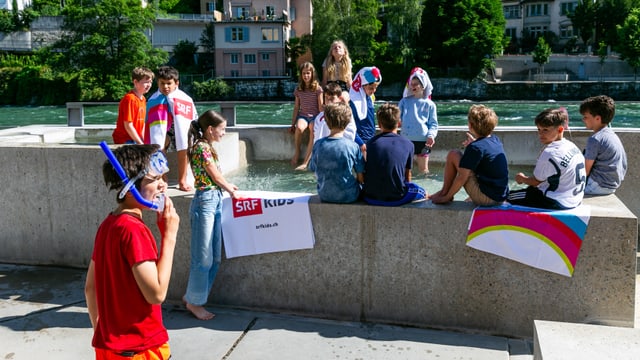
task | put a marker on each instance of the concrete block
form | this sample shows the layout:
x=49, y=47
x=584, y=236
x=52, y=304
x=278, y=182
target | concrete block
x=567, y=341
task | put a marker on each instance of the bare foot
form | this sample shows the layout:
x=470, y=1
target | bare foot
x=302, y=167
x=198, y=311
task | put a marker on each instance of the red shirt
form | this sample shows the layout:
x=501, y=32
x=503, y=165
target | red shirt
x=131, y=109
x=126, y=321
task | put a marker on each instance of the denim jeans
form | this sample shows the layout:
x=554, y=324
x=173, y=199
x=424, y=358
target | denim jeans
x=206, y=244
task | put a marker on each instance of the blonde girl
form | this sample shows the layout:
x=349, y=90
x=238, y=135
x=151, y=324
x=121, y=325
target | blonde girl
x=308, y=103
x=206, y=210
x=337, y=66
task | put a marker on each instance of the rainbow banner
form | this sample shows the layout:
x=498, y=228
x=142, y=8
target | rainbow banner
x=545, y=239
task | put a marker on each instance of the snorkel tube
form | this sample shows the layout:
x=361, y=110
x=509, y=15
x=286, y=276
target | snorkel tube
x=156, y=205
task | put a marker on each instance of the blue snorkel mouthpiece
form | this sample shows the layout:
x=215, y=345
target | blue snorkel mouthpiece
x=158, y=164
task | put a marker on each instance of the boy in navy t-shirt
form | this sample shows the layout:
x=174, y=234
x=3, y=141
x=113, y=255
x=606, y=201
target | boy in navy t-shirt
x=388, y=163
x=482, y=169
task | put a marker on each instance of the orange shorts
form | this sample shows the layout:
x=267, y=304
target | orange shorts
x=161, y=352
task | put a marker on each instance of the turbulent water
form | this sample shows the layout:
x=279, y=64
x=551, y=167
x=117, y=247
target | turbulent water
x=510, y=113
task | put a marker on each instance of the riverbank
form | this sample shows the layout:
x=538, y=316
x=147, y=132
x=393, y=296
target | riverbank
x=455, y=89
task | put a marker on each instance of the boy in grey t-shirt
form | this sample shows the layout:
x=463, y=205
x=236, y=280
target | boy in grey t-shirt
x=605, y=158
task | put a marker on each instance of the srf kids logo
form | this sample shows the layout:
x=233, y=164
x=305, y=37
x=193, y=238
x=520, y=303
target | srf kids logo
x=255, y=206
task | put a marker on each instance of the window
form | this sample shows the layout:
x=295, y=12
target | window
x=236, y=34
x=538, y=10
x=270, y=35
x=249, y=58
x=537, y=31
x=265, y=57
x=211, y=7
x=568, y=8
x=510, y=33
x=235, y=73
x=234, y=58
x=271, y=11
x=266, y=73
x=511, y=12
x=292, y=13
x=566, y=31
x=240, y=12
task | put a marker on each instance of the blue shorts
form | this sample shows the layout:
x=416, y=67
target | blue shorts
x=308, y=119
x=414, y=192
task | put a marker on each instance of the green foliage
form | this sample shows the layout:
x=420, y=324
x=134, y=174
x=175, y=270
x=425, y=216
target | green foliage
x=215, y=89
x=629, y=39
x=34, y=85
x=541, y=53
x=461, y=36
x=404, y=25
x=47, y=7
x=105, y=41
x=184, y=54
x=353, y=21
x=583, y=19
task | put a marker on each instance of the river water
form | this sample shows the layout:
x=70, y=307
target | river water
x=510, y=113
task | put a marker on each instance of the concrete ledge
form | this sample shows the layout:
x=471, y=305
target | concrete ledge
x=407, y=265
x=565, y=341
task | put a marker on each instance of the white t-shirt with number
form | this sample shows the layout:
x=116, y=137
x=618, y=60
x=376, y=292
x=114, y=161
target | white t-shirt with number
x=560, y=167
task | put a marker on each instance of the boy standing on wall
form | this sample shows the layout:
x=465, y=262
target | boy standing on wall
x=605, y=159
x=128, y=278
x=170, y=112
x=132, y=109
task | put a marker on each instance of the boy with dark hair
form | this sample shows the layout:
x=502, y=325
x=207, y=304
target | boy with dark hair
x=605, y=159
x=559, y=176
x=127, y=280
x=388, y=163
x=170, y=112
x=332, y=94
x=132, y=109
x=334, y=158
x=482, y=169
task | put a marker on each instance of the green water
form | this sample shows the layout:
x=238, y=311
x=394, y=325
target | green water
x=511, y=113
x=279, y=176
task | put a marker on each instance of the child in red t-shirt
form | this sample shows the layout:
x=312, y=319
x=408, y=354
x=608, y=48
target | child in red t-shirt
x=127, y=280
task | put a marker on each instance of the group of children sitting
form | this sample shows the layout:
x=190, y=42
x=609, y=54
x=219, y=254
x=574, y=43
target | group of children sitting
x=562, y=174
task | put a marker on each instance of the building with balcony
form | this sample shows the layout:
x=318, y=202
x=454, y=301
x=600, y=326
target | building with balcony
x=251, y=36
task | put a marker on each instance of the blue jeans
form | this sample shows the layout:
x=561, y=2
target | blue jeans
x=206, y=244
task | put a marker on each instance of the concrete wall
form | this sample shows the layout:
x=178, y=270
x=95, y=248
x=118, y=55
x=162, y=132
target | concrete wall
x=406, y=265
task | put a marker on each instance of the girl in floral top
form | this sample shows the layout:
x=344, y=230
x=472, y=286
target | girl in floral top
x=206, y=210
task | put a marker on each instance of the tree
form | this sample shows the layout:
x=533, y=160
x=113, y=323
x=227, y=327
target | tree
x=629, y=40
x=611, y=13
x=105, y=38
x=295, y=48
x=403, y=25
x=208, y=42
x=462, y=35
x=541, y=54
x=353, y=21
x=583, y=19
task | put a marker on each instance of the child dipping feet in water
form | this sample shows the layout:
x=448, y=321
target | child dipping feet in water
x=307, y=105
x=482, y=169
x=206, y=210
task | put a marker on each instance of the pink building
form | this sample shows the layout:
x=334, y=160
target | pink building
x=251, y=35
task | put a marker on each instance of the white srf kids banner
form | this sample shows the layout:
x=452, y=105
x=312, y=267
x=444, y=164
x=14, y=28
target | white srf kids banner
x=263, y=222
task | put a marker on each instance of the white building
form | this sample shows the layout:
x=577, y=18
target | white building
x=537, y=17
x=8, y=4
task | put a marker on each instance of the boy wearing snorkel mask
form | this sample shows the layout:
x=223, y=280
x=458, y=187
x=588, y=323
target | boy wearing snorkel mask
x=127, y=280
